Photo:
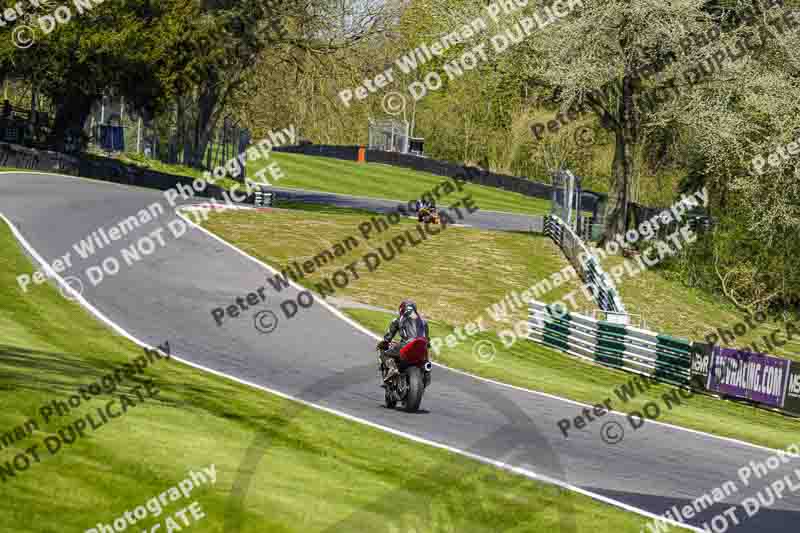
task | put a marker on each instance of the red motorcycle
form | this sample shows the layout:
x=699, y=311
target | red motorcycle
x=414, y=375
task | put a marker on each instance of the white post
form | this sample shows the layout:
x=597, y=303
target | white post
x=139, y=137
x=568, y=195
x=102, y=109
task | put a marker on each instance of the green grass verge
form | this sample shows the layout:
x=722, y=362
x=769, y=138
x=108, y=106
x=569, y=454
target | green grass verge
x=15, y=169
x=454, y=277
x=178, y=170
x=317, y=470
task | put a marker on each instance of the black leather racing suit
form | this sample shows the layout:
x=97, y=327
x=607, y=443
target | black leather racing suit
x=410, y=326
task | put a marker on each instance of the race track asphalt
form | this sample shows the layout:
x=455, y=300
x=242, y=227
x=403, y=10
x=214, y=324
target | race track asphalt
x=319, y=357
x=492, y=220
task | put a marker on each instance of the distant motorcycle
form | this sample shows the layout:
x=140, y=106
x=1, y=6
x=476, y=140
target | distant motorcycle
x=428, y=214
x=408, y=386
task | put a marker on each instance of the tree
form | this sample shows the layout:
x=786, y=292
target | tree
x=613, y=56
x=134, y=48
x=335, y=47
x=151, y=53
x=740, y=119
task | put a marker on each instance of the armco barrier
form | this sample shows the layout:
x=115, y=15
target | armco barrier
x=347, y=153
x=101, y=168
x=17, y=156
x=627, y=348
x=262, y=199
x=579, y=256
x=768, y=382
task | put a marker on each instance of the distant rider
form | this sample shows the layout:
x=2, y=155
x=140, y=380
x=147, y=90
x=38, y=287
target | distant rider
x=411, y=326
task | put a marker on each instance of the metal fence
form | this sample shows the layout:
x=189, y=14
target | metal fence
x=759, y=379
x=389, y=135
x=23, y=126
x=114, y=127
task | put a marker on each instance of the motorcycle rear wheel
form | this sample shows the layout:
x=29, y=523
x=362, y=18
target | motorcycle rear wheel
x=415, y=389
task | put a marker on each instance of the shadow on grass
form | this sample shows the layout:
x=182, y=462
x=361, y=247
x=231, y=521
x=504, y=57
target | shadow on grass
x=42, y=371
x=60, y=374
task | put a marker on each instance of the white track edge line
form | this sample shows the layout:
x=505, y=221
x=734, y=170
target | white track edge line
x=499, y=464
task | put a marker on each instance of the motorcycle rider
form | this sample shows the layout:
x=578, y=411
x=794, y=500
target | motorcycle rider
x=411, y=326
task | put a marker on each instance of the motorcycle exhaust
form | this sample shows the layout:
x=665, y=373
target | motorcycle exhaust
x=428, y=366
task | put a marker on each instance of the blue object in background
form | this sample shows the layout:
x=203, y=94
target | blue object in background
x=111, y=138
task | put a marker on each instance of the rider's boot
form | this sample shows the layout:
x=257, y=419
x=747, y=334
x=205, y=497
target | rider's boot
x=391, y=369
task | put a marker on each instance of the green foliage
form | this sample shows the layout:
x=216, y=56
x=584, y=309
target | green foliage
x=734, y=262
x=136, y=48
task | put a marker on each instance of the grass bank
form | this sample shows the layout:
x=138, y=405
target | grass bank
x=669, y=306
x=375, y=180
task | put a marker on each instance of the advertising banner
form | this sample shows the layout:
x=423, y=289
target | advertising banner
x=701, y=361
x=754, y=376
x=792, y=402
